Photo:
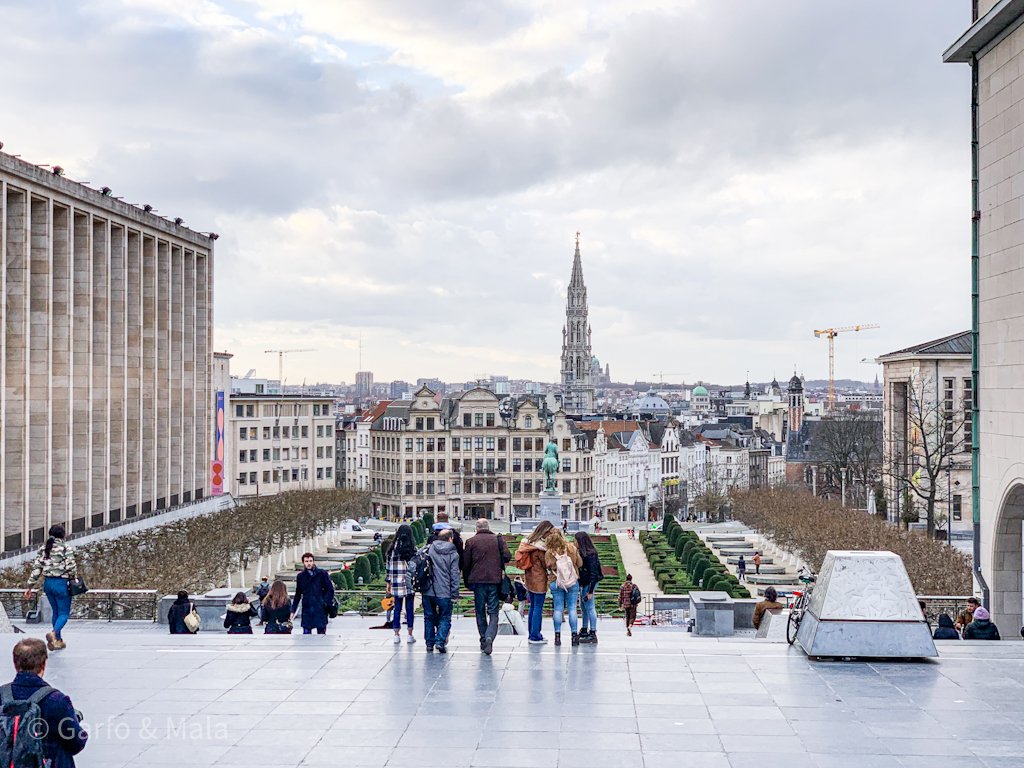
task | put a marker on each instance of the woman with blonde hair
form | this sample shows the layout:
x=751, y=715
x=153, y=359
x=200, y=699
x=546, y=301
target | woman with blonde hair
x=277, y=610
x=530, y=558
x=562, y=560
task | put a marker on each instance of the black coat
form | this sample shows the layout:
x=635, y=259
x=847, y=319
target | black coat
x=590, y=573
x=274, y=617
x=238, y=619
x=981, y=630
x=945, y=630
x=64, y=735
x=315, y=591
x=176, y=616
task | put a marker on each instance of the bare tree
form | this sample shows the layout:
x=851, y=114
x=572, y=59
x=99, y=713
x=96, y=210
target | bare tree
x=848, y=449
x=711, y=482
x=928, y=432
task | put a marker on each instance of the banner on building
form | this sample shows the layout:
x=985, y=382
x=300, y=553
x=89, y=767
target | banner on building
x=217, y=467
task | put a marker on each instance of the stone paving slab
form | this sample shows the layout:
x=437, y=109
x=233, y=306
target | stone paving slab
x=660, y=698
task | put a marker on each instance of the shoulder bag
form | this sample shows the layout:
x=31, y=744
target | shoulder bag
x=76, y=586
x=192, y=621
x=505, y=591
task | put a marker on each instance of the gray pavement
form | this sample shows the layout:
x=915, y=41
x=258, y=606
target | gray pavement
x=661, y=698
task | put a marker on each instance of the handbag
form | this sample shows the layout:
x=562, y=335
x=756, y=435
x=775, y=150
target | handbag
x=332, y=609
x=76, y=586
x=505, y=591
x=192, y=621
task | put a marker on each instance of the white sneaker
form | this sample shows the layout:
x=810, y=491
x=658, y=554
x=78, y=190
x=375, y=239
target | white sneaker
x=411, y=640
x=398, y=639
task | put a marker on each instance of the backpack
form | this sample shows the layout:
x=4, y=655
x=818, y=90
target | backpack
x=422, y=570
x=565, y=572
x=22, y=729
x=634, y=596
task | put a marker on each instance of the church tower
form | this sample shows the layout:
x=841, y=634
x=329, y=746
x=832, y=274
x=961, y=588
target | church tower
x=796, y=404
x=577, y=376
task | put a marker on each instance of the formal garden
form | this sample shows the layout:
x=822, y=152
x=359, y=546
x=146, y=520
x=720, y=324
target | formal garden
x=682, y=562
x=809, y=526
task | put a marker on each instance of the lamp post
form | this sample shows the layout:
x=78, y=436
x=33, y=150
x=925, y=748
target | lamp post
x=949, y=501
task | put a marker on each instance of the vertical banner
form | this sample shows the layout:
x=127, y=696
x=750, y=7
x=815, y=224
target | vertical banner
x=217, y=468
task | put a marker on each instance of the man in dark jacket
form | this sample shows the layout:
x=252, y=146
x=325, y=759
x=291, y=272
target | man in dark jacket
x=442, y=524
x=443, y=591
x=64, y=734
x=315, y=590
x=179, y=609
x=483, y=564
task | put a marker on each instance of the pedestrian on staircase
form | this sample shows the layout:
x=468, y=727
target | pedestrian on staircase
x=590, y=575
x=757, y=563
x=741, y=570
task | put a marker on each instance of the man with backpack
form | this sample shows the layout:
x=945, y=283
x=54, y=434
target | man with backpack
x=483, y=566
x=52, y=734
x=629, y=599
x=442, y=592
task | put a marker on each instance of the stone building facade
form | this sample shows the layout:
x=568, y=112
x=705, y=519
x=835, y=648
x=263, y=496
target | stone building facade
x=105, y=359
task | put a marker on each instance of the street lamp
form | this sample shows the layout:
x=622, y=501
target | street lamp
x=949, y=502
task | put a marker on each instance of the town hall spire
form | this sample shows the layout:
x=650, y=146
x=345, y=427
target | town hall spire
x=577, y=375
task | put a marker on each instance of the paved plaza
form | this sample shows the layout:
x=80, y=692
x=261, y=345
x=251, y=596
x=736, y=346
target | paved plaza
x=660, y=699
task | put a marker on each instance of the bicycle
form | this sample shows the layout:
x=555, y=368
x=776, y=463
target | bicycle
x=803, y=599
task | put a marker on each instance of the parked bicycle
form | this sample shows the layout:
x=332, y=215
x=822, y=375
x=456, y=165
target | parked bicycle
x=800, y=603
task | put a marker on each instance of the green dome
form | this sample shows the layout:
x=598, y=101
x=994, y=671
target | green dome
x=700, y=391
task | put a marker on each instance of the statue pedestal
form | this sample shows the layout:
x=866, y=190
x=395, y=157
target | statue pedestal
x=551, y=507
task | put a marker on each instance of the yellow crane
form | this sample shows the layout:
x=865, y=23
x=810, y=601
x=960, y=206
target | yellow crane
x=280, y=362
x=831, y=334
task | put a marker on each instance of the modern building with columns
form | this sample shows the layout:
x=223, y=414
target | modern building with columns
x=105, y=357
x=993, y=46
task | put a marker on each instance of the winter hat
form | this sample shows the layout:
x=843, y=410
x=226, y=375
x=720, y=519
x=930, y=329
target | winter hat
x=981, y=613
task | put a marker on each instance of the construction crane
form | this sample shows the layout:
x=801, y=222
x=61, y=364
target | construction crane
x=661, y=376
x=280, y=362
x=831, y=334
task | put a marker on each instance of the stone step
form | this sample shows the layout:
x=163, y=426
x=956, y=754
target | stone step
x=747, y=553
x=772, y=579
x=733, y=545
x=766, y=570
x=726, y=537
x=733, y=559
x=347, y=549
x=327, y=565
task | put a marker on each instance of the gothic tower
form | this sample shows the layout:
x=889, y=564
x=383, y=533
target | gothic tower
x=796, y=404
x=577, y=377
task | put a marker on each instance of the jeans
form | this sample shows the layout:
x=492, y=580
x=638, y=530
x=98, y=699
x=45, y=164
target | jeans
x=409, y=601
x=485, y=602
x=589, y=608
x=565, y=599
x=319, y=630
x=437, y=620
x=536, y=615
x=56, y=591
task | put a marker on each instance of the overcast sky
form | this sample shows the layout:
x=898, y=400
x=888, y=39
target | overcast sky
x=414, y=171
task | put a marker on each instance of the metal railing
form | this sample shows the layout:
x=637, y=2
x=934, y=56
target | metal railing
x=96, y=604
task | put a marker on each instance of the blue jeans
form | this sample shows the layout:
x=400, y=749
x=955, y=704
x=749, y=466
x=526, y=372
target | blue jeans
x=410, y=606
x=319, y=630
x=565, y=599
x=437, y=620
x=485, y=603
x=536, y=615
x=56, y=591
x=589, y=608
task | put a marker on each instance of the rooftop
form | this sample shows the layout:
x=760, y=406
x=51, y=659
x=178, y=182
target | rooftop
x=954, y=344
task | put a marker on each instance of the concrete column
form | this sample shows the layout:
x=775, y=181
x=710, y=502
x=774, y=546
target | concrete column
x=204, y=352
x=116, y=329
x=60, y=364
x=15, y=437
x=100, y=396
x=81, y=364
x=133, y=374
x=37, y=510
x=176, y=422
x=3, y=345
x=188, y=382
x=163, y=447
x=150, y=416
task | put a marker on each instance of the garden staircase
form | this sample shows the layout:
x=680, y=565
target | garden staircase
x=779, y=568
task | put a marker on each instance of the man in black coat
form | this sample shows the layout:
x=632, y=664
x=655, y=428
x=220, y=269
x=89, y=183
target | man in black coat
x=64, y=737
x=315, y=590
x=483, y=564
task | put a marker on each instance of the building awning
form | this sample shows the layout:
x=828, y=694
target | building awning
x=1003, y=17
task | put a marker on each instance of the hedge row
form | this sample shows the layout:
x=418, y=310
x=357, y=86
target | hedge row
x=681, y=562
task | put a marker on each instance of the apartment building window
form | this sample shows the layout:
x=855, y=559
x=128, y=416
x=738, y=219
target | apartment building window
x=252, y=478
x=456, y=443
x=305, y=432
x=490, y=486
x=478, y=419
x=408, y=487
x=243, y=433
x=949, y=412
x=456, y=463
x=242, y=478
x=266, y=433
x=319, y=430
x=419, y=423
x=239, y=411
x=316, y=409
x=241, y=456
x=277, y=475
x=958, y=507
x=517, y=486
x=408, y=466
x=440, y=486
x=968, y=414
x=490, y=419
x=528, y=422
x=490, y=465
x=277, y=454
x=501, y=465
x=327, y=473
x=527, y=465
x=467, y=420
x=502, y=443
x=430, y=422
x=430, y=465
x=430, y=445
x=430, y=487
x=319, y=473
x=286, y=432
x=517, y=465
x=478, y=487
x=478, y=465
x=440, y=465
x=501, y=487
x=266, y=476
x=566, y=444
x=295, y=474
x=456, y=486
x=329, y=451
x=319, y=452
x=419, y=487
x=419, y=465
x=419, y=445
x=566, y=465
x=517, y=444
x=252, y=455
x=490, y=443
x=408, y=444
x=440, y=444
x=478, y=443
x=566, y=486
x=277, y=432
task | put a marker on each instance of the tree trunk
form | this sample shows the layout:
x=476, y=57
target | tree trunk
x=931, y=513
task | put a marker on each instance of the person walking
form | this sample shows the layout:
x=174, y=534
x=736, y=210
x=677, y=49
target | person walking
x=440, y=596
x=55, y=562
x=565, y=527
x=530, y=558
x=398, y=580
x=483, y=563
x=276, y=611
x=239, y=615
x=741, y=570
x=261, y=591
x=180, y=608
x=315, y=591
x=757, y=563
x=945, y=630
x=61, y=732
x=590, y=575
x=770, y=604
x=629, y=599
x=982, y=627
x=443, y=524
x=562, y=559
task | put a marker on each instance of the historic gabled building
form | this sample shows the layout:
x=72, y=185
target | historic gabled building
x=577, y=372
